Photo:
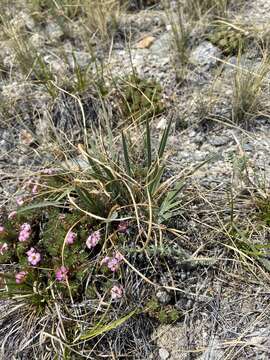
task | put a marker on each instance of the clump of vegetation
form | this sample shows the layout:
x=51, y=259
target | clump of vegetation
x=263, y=206
x=75, y=234
x=165, y=314
x=228, y=37
x=181, y=37
x=248, y=85
x=140, y=98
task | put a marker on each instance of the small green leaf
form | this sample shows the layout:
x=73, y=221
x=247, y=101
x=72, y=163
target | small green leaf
x=101, y=329
x=126, y=155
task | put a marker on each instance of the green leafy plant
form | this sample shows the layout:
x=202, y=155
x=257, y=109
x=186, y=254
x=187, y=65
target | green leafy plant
x=71, y=243
x=230, y=38
x=140, y=98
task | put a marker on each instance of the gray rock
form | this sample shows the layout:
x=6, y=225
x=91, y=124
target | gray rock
x=54, y=31
x=248, y=147
x=6, y=142
x=219, y=140
x=82, y=59
x=163, y=354
x=162, y=45
x=205, y=55
x=163, y=297
x=57, y=65
x=22, y=20
x=37, y=40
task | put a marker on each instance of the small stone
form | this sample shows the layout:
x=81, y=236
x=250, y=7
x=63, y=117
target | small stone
x=162, y=123
x=219, y=140
x=22, y=20
x=248, y=147
x=57, y=65
x=54, y=31
x=206, y=54
x=162, y=46
x=163, y=297
x=37, y=40
x=163, y=354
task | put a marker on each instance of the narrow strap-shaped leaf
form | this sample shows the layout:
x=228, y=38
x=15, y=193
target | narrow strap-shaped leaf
x=152, y=186
x=40, y=205
x=164, y=139
x=126, y=155
x=148, y=145
x=101, y=329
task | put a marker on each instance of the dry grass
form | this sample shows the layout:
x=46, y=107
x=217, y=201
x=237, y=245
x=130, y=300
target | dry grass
x=248, y=97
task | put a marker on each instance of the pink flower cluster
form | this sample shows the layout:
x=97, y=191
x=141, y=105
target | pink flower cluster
x=2, y=229
x=122, y=227
x=3, y=248
x=114, y=262
x=32, y=185
x=48, y=171
x=93, y=239
x=61, y=273
x=20, y=277
x=117, y=292
x=25, y=232
x=71, y=237
x=33, y=257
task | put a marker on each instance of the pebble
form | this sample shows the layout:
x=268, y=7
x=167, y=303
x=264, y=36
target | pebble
x=206, y=54
x=163, y=354
x=219, y=140
x=163, y=297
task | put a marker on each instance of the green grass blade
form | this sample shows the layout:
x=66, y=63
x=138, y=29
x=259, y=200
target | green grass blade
x=126, y=155
x=39, y=206
x=96, y=331
x=148, y=145
x=164, y=139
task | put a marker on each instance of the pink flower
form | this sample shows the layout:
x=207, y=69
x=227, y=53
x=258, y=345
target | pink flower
x=117, y=292
x=119, y=257
x=48, y=171
x=19, y=201
x=34, y=258
x=25, y=227
x=20, y=277
x=3, y=248
x=61, y=273
x=24, y=236
x=71, y=237
x=93, y=239
x=2, y=229
x=113, y=264
x=31, y=251
x=25, y=232
x=12, y=215
x=105, y=260
x=122, y=227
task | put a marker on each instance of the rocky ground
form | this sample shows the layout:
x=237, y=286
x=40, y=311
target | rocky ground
x=225, y=311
